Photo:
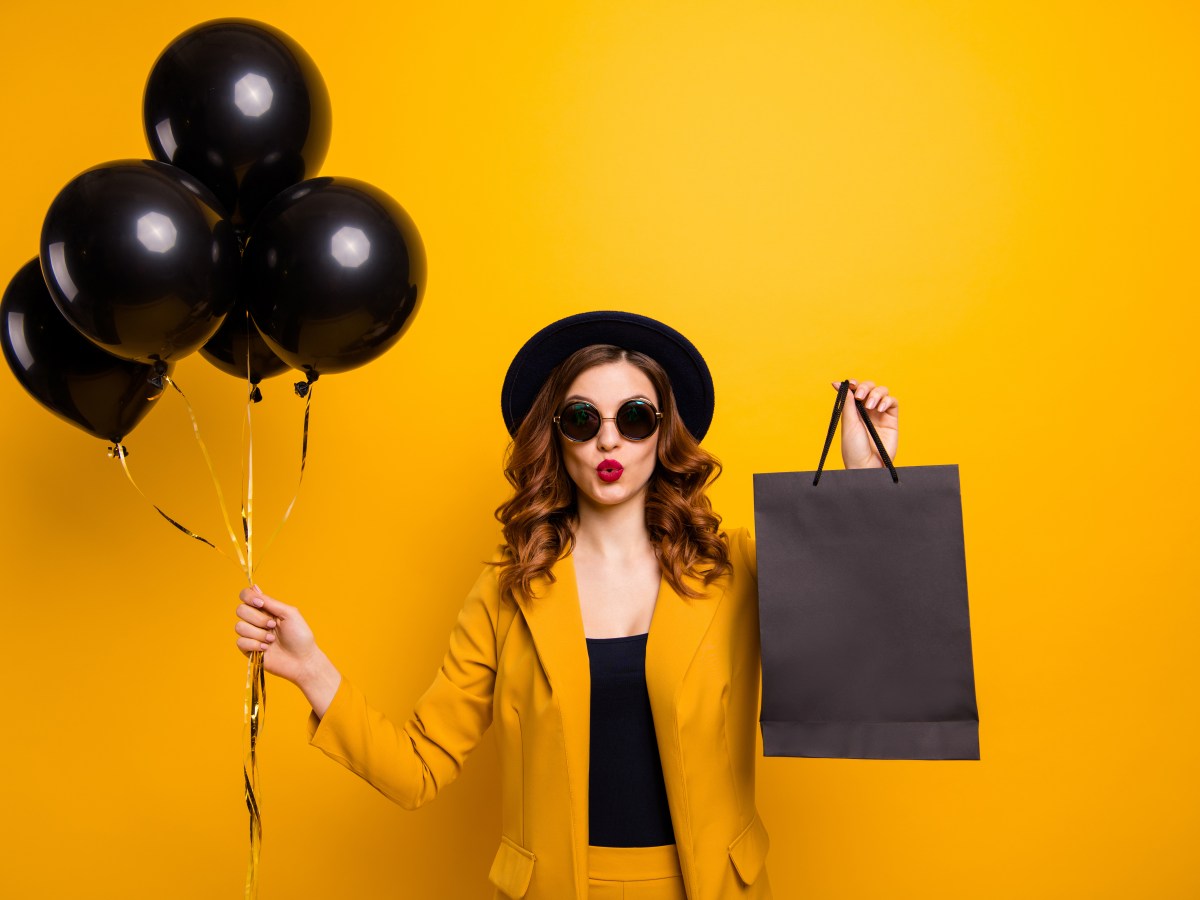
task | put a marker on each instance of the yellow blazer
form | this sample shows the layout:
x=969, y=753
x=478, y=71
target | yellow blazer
x=525, y=666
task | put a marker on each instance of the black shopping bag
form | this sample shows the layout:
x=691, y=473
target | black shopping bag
x=862, y=584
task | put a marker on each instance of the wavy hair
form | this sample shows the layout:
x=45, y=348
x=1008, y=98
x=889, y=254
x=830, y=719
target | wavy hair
x=539, y=519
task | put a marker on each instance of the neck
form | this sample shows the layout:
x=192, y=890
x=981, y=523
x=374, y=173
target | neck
x=613, y=532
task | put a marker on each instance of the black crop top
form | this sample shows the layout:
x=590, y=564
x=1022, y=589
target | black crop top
x=627, y=798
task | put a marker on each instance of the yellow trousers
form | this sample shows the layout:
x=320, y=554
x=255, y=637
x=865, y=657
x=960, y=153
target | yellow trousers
x=634, y=873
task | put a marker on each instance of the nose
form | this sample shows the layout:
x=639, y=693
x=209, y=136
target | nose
x=608, y=436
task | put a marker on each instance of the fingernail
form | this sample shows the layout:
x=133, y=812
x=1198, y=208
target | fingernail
x=257, y=601
x=270, y=623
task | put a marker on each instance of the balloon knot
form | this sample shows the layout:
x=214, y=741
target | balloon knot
x=302, y=387
x=255, y=394
x=113, y=452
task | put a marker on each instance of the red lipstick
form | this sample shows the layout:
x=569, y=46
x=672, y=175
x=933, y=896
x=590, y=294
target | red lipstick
x=609, y=470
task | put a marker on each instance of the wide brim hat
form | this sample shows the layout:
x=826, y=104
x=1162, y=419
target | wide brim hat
x=690, y=379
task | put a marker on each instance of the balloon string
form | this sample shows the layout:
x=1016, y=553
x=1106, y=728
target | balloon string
x=255, y=706
x=303, y=458
x=242, y=460
x=120, y=452
x=248, y=460
x=248, y=510
x=213, y=472
x=255, y=703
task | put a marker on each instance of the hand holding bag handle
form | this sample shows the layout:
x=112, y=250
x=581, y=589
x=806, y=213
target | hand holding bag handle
x=843, y=389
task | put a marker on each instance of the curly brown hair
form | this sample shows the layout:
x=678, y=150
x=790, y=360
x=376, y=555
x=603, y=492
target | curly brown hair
x=540, y=516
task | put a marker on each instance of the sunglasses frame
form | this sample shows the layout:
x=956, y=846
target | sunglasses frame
x=657, y=420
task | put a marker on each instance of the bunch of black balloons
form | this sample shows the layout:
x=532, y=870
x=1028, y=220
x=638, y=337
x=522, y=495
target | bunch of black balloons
x=224, y=243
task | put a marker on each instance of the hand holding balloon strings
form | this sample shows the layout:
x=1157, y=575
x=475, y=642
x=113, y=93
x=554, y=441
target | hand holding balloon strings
x=218, y=244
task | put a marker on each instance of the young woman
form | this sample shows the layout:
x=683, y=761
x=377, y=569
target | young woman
x=613, y=640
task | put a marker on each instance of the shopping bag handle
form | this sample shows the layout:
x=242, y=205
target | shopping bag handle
x=844, y=389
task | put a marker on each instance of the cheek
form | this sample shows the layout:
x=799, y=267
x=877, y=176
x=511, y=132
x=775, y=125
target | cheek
x=648, y=457
x=570, y=457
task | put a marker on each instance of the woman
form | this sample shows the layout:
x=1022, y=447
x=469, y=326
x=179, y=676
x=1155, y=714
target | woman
x=628, y=769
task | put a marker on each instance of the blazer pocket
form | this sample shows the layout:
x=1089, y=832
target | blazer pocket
x=749, y=850
x=512, y=868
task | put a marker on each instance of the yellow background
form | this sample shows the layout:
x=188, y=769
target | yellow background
x=991, y=208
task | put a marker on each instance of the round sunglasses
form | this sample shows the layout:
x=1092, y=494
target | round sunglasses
x=580, y=421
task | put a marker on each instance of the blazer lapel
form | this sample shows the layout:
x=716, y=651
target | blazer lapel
x=556, y=623
x=678, y=626
x=676, y=631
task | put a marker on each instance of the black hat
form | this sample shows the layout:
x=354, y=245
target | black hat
x=690, y=380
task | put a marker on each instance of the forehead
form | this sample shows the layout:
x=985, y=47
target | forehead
x=610, y=383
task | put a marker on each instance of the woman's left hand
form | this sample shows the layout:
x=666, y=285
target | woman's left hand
x=858, y=450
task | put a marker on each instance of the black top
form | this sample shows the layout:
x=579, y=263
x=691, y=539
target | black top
x=627, y=798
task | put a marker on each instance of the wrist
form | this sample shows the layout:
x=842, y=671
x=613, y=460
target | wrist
x=319, y=680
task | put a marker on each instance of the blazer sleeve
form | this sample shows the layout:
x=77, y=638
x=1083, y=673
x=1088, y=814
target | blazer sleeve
x=744, y=539
x=409, y=764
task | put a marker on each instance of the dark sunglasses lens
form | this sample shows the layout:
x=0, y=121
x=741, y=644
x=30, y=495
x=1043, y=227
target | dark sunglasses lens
x=579, y=421
x=636, y=420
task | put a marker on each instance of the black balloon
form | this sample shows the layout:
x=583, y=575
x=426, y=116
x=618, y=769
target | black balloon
x=103, y=394
x=237, y=336
x=139, y=259
x=241, y=106
x=334, y=272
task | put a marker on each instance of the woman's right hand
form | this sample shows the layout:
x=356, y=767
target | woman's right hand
x=289, y=649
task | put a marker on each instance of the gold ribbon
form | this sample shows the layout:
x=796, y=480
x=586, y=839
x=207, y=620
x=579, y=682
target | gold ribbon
x=308, y=397
x=120, y=452
x=212, y=472
x=255, y=702
x=254, y=705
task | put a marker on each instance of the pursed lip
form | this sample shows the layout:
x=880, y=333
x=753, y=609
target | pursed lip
x=609, y=470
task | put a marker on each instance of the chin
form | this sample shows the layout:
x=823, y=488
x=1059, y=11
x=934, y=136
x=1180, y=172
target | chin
x=616, y=493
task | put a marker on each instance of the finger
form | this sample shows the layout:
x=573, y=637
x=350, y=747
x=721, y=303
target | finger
x=876, y=395
x=888, y=404
x=851, y=421
x=277, y=608
x=864, y=387
x=246, y=630
x=248, y=645
x=255, y=616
